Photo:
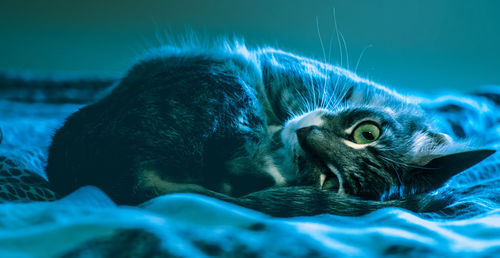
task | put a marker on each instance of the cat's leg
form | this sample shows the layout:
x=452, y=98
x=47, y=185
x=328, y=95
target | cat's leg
x=215, y=140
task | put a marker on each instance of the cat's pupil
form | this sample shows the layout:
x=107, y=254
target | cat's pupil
x=368, y=135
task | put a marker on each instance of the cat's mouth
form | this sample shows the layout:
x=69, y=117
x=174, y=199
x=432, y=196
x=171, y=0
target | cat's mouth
x=331, y=179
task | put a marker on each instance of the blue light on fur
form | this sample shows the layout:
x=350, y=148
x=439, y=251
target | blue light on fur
x=189, y=224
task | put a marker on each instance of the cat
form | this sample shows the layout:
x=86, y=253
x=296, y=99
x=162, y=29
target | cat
x=264, y=128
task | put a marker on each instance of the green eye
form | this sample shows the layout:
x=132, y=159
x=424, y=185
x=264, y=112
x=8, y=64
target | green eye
x=366, y=132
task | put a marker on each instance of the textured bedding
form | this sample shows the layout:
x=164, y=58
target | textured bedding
x=87, y=223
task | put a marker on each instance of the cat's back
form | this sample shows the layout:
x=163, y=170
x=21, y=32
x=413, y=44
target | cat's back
x=181, y=112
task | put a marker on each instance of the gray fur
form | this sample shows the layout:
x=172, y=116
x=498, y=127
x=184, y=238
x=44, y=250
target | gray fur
x=224, y=121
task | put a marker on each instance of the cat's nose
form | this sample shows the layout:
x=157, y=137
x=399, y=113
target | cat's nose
x=302, y=134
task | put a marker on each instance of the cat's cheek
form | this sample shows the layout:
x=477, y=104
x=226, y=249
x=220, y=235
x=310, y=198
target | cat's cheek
x=291, y=143
x=289, y=138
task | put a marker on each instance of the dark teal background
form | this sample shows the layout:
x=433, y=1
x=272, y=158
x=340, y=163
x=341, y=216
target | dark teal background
x=415, y=45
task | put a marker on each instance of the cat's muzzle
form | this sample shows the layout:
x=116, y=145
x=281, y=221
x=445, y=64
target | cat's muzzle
x=330, y=177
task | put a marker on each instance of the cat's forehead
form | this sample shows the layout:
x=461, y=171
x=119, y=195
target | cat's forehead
x=345, y=119
x=347, y=116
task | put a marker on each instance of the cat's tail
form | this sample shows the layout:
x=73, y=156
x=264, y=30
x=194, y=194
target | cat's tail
x=308, y=201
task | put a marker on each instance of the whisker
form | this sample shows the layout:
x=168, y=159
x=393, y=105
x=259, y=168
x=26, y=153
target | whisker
x=320, y=39
x=345, y=48
x=312, y=90
x=340, y=98
x=405, y=164
x=330, y=45
x=396, y=170
x=338, y=38
x=305, y=102
x=360, y=56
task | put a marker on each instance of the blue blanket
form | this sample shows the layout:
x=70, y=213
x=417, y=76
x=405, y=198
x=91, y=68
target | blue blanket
x=88, y=223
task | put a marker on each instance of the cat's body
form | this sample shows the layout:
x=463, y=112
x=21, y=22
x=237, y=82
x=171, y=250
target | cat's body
x=299, y=136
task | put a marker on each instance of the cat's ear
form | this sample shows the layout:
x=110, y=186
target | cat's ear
x=441, y=168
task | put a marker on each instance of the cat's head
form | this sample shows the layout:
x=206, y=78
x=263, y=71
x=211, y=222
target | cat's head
x=354, y=136
x=374, y=152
